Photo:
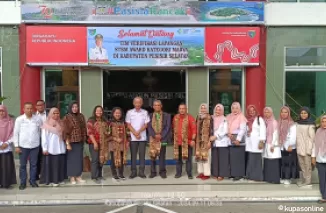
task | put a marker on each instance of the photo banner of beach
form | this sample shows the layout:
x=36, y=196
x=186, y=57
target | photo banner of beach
x=232, y=45
x=145, y=46
x=143, y=12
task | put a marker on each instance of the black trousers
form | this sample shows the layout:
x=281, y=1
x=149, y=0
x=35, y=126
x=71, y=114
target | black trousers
x=162, y=163
x=96, y=167
x=188, y=162
x=322, y=179
x=32, y=154
x=114, y=168
x=135, y=147
x=39, y=162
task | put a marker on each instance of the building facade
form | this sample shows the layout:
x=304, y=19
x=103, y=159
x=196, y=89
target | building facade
x=107, y=53
x=296, y=52
x=9, y=54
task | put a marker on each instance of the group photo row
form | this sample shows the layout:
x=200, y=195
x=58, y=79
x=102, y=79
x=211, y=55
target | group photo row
x=238, y=146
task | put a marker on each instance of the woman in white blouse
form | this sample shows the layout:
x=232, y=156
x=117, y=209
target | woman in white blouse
x=272, y=151
x=220, y=150
x=237, y=123
x=7, y=164
x=54, y=149
x=319, y=157
x=287, y=139
x=255, y=139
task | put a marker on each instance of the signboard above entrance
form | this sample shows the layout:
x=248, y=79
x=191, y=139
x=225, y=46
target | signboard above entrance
x=141, y=46
x=145, y=46
x=142, y=12
x=232, y=46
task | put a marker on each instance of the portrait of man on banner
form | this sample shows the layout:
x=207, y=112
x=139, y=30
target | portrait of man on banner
x=98, y=54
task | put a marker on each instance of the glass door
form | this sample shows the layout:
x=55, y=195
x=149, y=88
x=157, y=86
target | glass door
x=225, y=87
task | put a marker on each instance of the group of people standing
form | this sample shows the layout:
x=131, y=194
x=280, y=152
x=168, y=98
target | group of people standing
x=238, y=146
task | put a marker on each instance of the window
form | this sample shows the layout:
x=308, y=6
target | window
x=0, y=71
x=305, y=76
x=61, y=88
x=305, y=56
x=225, y=87
x=306, y=88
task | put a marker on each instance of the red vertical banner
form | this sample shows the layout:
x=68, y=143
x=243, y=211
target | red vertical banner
x=56, y=45
x=232, y=45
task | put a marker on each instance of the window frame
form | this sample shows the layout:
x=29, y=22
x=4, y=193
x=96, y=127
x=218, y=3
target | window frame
x=298, y=68
x=1, y=74
x=60, y=69
x=242, y=87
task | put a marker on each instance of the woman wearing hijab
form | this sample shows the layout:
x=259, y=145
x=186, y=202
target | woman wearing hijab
x=255, y=140
x=287, y=139
x=54, y=149
x=319, y=156
x=203, y=142
x=305, y=141
x=7, y=164
x=118, y=143
x=220, y=150
x=75, y=135
x=237, y=128
x=98, y=140
x=272, y=151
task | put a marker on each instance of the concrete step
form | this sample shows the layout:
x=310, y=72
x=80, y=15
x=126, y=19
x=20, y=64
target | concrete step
x=120, y=195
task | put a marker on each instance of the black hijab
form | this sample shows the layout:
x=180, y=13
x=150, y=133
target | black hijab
x=113, y=118
x=309, y=120
x=70, y=108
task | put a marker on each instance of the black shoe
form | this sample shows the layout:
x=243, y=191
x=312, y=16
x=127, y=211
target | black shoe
x=142, y=176
x=177, y=176
x=151, y=176
x=122, y=177
x=190, y=177
x=34, y=185
x=115, y=177
x=101, y=178
x=133, y=175
x=163, y=175
x=236, y=178
x=22, y=187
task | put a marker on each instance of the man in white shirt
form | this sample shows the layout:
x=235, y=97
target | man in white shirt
x=40, y=112
x=137, y=120
x=27, y=134
x=98, y=54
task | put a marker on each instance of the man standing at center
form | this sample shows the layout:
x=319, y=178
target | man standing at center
x=184, y=130
x=137, y=120
x=159, y=135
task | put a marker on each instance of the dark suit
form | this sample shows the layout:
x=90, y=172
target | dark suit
x=165, y=138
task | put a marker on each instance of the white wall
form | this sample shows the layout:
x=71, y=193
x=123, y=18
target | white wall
x=295, y=14
x=10, y=13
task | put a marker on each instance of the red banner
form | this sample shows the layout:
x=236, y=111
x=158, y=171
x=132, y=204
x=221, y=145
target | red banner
x=232, y=45
x=51, y=45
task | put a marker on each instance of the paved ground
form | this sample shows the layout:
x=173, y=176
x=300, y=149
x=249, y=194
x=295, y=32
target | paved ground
x=225, y=208
x=81, y=194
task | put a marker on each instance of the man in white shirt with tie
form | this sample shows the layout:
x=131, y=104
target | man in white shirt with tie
x=27, y=134
x=137, y=120
x=40, y=112
x=98, y=55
